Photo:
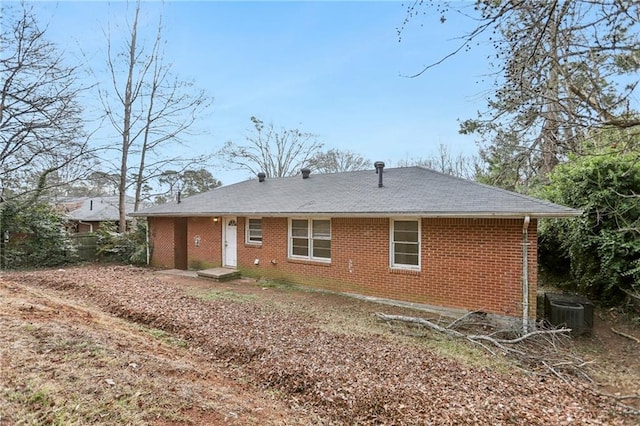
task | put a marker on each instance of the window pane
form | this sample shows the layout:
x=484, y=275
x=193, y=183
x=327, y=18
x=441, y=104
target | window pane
x=300, y=247
x=322, y=248
x=406, y=248
x=321, y=229
x=405, y=259
x=406, y=242
x=406, y=225
x=310, y=238
x=405, y=230
x=299, y=228
x=405, y=254
x=255, y=230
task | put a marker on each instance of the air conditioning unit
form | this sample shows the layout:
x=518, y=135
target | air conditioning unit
x=571, y=311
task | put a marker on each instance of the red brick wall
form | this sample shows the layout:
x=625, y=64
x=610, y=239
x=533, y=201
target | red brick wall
x=206, y=255
x=209, y=253
x=465, y=263
x=472, y=264
x=161, y=242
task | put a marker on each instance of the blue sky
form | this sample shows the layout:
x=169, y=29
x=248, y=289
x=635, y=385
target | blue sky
x=331, y=68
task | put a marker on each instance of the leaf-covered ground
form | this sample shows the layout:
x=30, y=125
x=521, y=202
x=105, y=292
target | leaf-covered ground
x=324, y=376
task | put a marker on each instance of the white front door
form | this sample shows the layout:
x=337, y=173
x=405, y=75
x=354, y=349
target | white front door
x=230, y=242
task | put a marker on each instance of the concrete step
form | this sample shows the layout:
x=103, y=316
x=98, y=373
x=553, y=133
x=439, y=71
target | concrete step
x=219, y=274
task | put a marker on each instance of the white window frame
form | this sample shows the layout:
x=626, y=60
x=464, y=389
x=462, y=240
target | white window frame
x=310, y=239
x=247, y=235
x=392, y=242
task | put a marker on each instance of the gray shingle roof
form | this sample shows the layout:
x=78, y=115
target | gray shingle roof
x=407, y=191
x=94, y=209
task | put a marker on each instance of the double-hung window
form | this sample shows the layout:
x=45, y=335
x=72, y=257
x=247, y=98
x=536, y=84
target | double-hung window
x=253, y=231
x=405, y=244
x=310, y=239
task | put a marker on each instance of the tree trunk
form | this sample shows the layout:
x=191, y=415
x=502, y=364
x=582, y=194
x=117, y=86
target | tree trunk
x=126, y=130
x=550, y=135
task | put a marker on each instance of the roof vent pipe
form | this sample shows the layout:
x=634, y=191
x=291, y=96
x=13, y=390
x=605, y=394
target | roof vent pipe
x=261, y=176
x=379, y=165
x=305, y=173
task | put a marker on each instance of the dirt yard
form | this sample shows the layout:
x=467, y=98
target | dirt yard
x=123, y=345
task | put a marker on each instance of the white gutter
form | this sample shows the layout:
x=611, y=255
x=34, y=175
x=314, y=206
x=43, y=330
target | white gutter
x=431, y=215
x=525, y=274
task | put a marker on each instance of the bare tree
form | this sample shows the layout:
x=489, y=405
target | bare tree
x=562, y=67
x=95, y=183
x=150, y=110
x=444, y=161
x=337, y=160
x=41, y=125
x=102, y=183
x=276, y=153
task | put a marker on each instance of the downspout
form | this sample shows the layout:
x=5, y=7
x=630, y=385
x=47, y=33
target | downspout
x=86, y=223
x=525, y=274
x=146, y=226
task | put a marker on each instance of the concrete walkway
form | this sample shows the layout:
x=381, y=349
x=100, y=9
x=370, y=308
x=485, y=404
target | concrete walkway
x=218, y=274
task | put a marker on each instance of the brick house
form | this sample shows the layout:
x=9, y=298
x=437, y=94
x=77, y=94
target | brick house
x=409, y=234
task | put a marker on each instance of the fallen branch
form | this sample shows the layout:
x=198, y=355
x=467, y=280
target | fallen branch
x=621, y=397
x=628, y=336
x=462, y=318
x=536, y=348
x=450, y=331
x=555, y=373
x=528, y=335
x=630, y=410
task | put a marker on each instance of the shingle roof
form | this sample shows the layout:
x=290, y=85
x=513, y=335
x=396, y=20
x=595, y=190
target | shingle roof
x=94, y=209
x=407, y=191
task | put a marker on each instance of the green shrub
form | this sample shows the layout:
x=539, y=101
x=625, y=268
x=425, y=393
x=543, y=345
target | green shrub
x=130, y=247
x=34, y=236
x=603, y=245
